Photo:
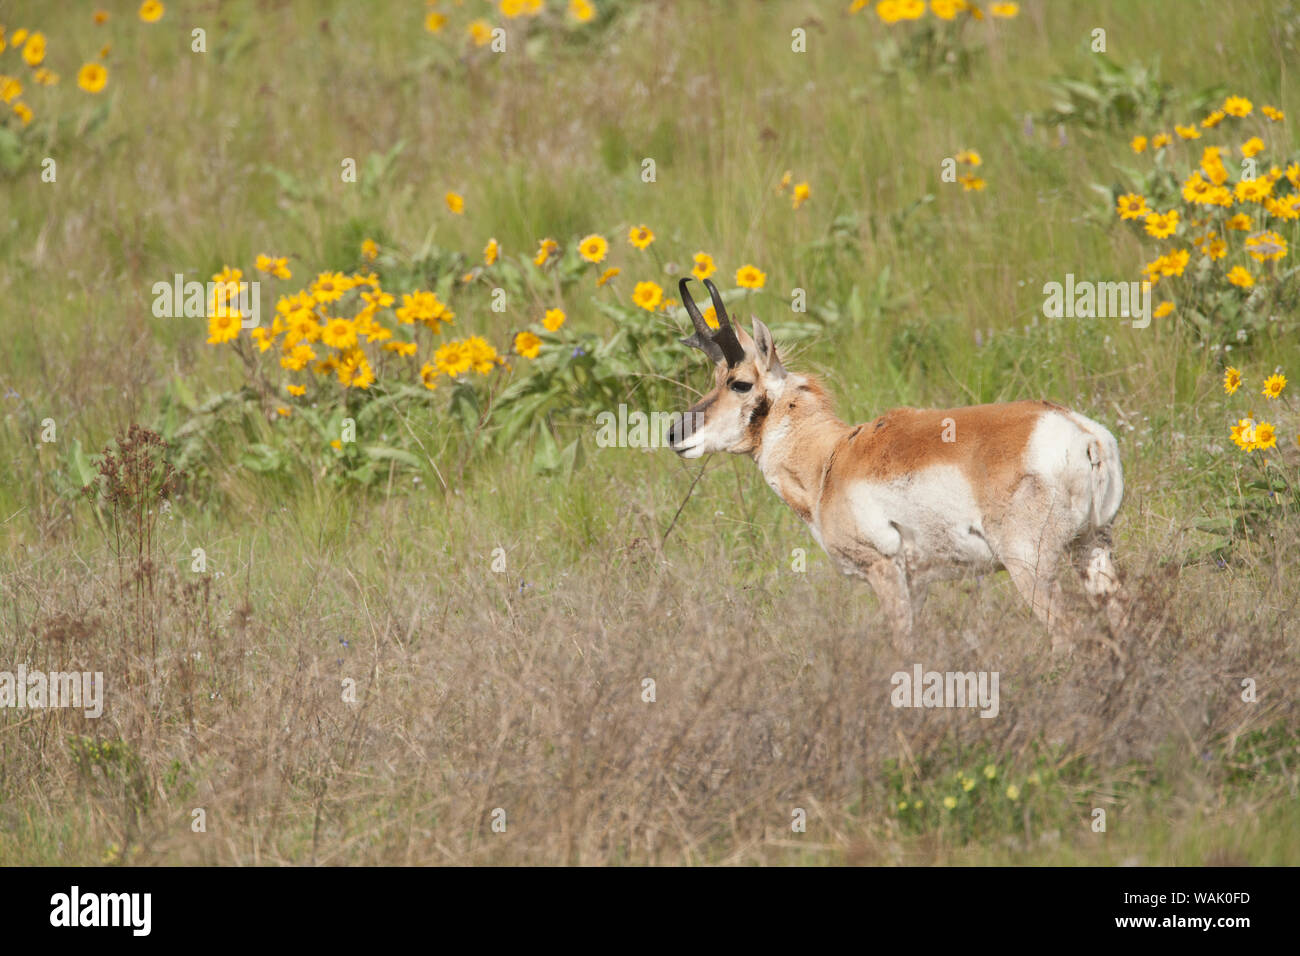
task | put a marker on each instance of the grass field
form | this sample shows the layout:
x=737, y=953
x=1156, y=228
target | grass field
x=431, y=645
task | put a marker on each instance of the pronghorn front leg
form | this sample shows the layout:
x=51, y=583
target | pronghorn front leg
x=889, y=580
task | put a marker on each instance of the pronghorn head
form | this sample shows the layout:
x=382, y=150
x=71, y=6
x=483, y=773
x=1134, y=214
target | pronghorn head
x=747, y=379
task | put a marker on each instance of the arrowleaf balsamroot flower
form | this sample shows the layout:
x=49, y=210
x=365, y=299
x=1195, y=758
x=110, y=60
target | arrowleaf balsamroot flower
x=704, y=266
x=1238, y=276
x=482, y=356
x=452, y=358
x=92, y=77
x=223, y=326
x=1237, y=106
x=641, y=236
x=273, y=266
x=339, y=334
x=593, y=248
x=894, y=11
x=648, y=295
x=528, y=345
x=947, y=9
x=1266, y=245
x=1273, y=385
x=553, y=319
x=425, y=308
x=750, y=277
x=1253, y=190
x=1265, y=437
x=34, y=49
x=1162, y=225
x=1243, y=434
x=545, y=249
x=1132, y=206
x=329, y=287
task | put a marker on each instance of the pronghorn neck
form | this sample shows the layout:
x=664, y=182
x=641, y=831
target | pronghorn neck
x=796, y=441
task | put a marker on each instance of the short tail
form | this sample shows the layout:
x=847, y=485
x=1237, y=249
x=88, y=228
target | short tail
x=1107, y=481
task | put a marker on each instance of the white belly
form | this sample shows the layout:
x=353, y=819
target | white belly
x=930, y=520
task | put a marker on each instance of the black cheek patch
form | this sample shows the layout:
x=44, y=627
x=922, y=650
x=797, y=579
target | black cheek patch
x=758, y=414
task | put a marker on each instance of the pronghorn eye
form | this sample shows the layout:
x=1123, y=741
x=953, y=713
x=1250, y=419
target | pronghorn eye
x=741, y=386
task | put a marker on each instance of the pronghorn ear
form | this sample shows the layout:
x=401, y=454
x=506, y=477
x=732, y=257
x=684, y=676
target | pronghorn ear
x=769, y=362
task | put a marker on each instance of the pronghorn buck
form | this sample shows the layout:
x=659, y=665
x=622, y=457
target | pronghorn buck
x=917, y=494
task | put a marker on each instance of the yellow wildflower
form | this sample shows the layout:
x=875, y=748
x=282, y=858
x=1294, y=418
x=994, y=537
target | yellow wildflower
x=528, y=345
x=648, y=295
x=750, y=277
x=593, y=248
x=641, y=236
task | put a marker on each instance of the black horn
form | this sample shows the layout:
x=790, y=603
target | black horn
x=703, y=338
x=721, y=345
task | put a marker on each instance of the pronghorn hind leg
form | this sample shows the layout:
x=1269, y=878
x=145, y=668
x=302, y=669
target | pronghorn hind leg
x=1038, y=586
x=1030, y=543
x=1101, y=580
x=888, y=579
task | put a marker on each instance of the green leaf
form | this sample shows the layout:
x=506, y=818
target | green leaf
x=571, y=459
x=464, y=405
x=263, y=459
x=384, y=453
x=546, y=457
x=11, y=151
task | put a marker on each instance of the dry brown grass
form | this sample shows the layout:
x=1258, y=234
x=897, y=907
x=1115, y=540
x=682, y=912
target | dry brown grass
x=476, y=692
